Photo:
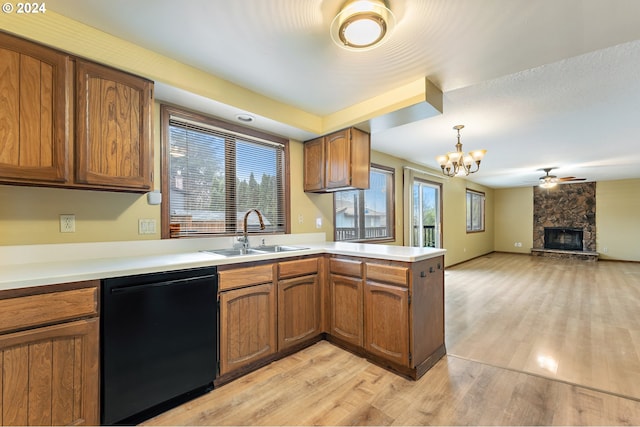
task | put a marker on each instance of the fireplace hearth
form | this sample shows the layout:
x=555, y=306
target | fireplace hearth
x=570, y=239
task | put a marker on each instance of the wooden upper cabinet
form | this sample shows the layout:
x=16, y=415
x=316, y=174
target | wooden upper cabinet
x=314, y=166
x=113, y=128
x=35, y=104
x=339, y=161
x=112, y=147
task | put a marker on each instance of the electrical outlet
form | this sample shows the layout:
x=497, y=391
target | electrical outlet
x=300, y=219
x=67, y=223
x=146, y=226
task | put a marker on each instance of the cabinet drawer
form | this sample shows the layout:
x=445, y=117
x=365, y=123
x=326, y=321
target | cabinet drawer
x=388, y=274
x=245, y=276
x=345, y=267
x=29, y=311
x=298, y=267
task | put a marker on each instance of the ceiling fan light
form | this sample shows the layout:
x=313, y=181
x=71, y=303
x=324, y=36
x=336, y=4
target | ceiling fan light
x=362, y=24
x=548, y=184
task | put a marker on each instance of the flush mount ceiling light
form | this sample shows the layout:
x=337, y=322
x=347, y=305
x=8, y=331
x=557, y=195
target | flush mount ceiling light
x=245, y=118
x=362, y=24
x=459, y=163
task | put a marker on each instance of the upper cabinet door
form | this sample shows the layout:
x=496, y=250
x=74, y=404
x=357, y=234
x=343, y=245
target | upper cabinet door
x=338, y=159
x=34, y=112
x=113, y=128
x=314, y=165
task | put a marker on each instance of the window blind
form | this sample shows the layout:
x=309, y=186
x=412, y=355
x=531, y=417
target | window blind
x=217, y=175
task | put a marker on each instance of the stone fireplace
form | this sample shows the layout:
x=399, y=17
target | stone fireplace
x=564, y=221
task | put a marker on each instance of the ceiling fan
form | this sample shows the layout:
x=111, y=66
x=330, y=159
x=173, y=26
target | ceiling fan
x=550, y=181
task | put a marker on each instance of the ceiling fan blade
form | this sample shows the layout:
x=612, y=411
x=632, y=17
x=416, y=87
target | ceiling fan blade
x=571, y=178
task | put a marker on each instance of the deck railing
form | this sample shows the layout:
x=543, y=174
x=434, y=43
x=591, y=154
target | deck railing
x=428, y=235
x=351, y=233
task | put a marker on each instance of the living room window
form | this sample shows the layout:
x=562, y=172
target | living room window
x=214, y=172
x=367, y=215
x=475, y=211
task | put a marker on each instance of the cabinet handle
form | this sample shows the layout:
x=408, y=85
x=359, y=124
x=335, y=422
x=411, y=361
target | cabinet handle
x=431, y=270
x=423, y=274
x=439, y=267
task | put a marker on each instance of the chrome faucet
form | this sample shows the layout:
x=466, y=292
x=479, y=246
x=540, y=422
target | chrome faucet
x=245, y=238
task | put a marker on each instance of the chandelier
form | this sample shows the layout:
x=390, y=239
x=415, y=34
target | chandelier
x=457, y=162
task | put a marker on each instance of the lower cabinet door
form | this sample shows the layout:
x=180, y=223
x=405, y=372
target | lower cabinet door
x=387, y=322
x=50, y=375
x=247, y=325
x=346, y=308
x=298, y=310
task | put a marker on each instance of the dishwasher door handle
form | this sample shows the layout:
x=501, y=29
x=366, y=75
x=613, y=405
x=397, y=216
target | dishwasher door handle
x=139, y=288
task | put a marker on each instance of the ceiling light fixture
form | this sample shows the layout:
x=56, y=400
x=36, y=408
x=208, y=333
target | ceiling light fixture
x=457, y=162
x=549, y=183
x=245, y=118
x=362, y=24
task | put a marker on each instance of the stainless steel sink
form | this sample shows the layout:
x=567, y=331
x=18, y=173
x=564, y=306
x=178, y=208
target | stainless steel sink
x=279, y=248
x=255, y=251
x=236, y=252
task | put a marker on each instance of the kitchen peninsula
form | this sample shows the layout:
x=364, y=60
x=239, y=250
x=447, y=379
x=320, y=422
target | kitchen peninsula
x=384, y=303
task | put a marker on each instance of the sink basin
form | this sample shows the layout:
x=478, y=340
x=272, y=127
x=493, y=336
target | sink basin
x=236, y=252
x=255, y=251
x=280, y=248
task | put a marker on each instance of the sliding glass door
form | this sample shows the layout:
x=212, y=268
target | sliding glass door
x=426, y=214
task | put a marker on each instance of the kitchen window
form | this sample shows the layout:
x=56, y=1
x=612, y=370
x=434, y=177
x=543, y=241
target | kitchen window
x=475, y=211
x=367, y=215
x=214, y=172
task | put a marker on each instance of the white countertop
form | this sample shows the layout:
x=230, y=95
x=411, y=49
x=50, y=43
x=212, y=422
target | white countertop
x=38, y=265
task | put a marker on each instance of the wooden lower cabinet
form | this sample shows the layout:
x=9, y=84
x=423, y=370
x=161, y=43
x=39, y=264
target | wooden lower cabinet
x=49, y=355
x=298, y=310
x=346, y=308
x=247, y=325
x=50, y=375
x=390, y=312
x=387, y=322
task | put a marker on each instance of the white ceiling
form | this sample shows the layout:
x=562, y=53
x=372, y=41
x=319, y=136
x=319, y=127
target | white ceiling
x=538, y=83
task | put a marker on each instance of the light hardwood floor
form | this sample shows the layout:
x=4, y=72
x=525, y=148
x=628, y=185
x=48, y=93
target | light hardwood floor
x=531, y=341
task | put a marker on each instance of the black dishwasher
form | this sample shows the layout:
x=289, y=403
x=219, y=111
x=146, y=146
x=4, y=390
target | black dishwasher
x=159, y=342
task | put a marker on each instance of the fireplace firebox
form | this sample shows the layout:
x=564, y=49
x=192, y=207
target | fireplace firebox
x=564, y=238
